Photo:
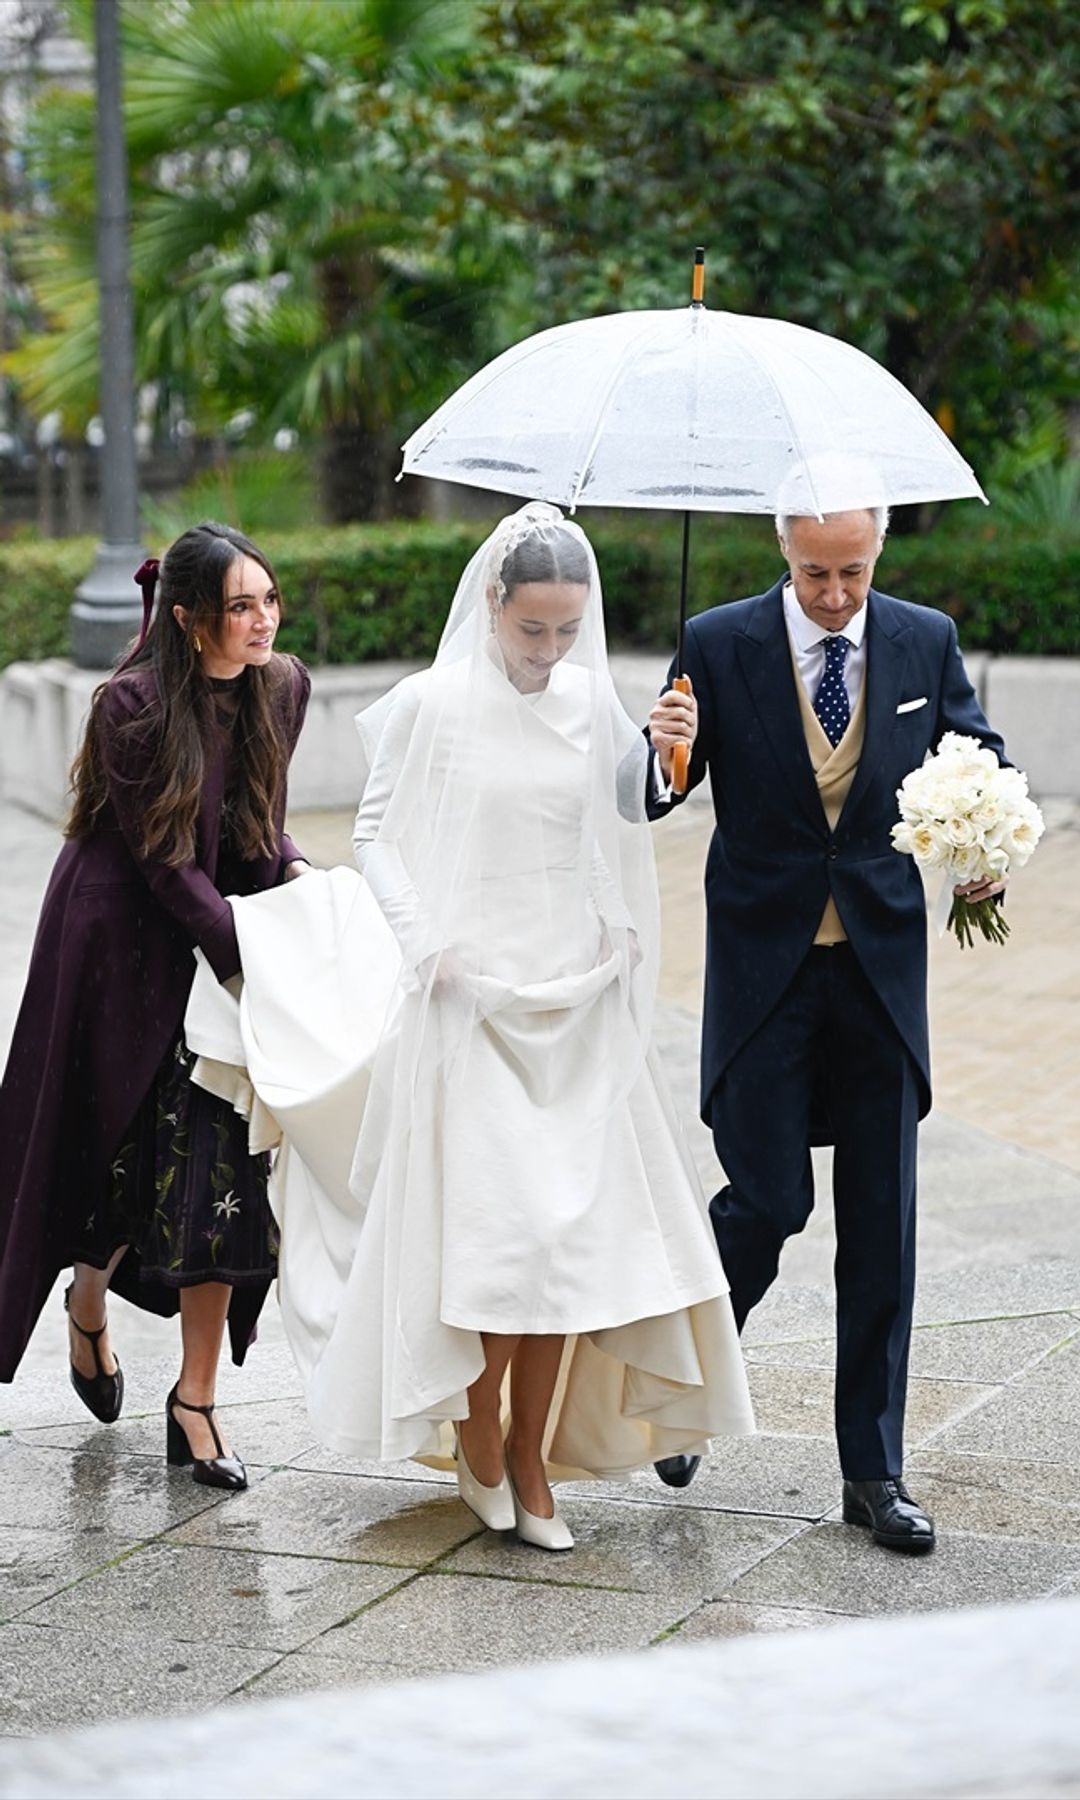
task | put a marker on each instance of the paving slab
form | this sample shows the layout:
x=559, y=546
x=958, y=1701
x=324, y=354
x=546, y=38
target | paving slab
x=641, y=1549
x=998, y=1496
x=839, y=1569
x=52, y=1679
x=800, y=1401
x=192, y=1595
x=790, y=1311
x=458, y=1622
x=988, y=1351
x=134, y=1498
x=990, y=1290
x=329, y=1462
x=42, y=1393
x=301, y=1673
x=729, y=1619
x=977, y=1163
x=403, y=1523
x=265, y=1433
x=1036, y=1417
x=784, y=1477
x=35, y=1564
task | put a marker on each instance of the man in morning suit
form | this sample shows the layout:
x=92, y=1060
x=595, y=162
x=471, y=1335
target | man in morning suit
x=810, y=705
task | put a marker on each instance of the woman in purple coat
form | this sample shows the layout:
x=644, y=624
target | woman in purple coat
x=111, y=1159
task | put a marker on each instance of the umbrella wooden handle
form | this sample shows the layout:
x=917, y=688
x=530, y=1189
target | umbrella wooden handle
x=680, y=756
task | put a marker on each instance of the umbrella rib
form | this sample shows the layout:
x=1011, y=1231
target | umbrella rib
x=607, y=402
x=493, y=374
x=913, y=405
x=761, y=368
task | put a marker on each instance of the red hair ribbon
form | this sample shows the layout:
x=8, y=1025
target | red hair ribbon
x=147, y=576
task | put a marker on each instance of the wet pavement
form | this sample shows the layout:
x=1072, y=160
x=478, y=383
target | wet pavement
x=125, y=1589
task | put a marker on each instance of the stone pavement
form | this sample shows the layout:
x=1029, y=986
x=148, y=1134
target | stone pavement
x=124, y=1589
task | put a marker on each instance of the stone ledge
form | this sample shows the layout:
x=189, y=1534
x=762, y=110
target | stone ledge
x=981, y=1703
x=1034, y=701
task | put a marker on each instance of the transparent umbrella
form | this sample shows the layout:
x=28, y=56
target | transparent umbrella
x=692, y=411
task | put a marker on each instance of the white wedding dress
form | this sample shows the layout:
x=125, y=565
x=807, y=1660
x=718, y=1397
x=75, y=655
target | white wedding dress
x=479, y=1142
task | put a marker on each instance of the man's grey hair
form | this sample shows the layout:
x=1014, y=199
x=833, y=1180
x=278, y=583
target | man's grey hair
x=879, y=514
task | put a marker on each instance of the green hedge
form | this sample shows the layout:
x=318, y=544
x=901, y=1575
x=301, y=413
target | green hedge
x=362, y=593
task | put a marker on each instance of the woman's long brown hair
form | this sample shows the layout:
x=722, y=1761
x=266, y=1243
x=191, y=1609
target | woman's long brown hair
x=174, y=728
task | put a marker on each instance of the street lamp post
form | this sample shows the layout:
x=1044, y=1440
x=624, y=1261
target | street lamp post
x=107, y=607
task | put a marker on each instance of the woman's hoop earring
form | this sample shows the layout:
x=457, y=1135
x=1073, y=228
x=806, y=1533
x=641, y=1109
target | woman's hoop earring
x=196, y=643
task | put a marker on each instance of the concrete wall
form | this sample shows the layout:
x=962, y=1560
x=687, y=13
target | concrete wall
x=1034, y=701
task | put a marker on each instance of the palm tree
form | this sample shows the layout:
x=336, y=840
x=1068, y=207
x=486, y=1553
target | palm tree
x=285, y=263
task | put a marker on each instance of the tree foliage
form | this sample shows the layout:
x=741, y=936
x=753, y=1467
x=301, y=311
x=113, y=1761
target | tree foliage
x=340, y=207
x=905, y=176
x=279, y=256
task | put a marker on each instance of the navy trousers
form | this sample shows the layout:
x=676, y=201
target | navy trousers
x=829, y=1044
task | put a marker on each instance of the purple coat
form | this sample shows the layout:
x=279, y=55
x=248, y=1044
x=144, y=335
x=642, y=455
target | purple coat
x=105, y=996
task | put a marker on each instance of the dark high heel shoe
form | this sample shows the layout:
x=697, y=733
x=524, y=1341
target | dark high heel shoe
x=220, y=1471
x=103, y=1394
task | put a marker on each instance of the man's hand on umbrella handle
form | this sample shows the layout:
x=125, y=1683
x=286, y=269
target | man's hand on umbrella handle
x=673, y=720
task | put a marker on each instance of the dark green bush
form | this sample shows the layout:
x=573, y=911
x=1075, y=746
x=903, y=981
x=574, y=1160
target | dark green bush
x=362, y=593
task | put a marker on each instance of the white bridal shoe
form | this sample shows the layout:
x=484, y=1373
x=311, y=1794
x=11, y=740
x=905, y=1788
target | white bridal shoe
x=493, y=1506
x=546, y=1534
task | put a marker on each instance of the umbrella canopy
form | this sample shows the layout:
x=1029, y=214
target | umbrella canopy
x=695, y=410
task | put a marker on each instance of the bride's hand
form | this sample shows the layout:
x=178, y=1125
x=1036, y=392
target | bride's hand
x=444, y=973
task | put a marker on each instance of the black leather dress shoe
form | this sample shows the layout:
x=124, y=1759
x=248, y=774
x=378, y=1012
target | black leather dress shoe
x=890, y=1514
x=677, y=1471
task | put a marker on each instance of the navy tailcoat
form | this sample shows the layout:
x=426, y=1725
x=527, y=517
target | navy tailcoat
x=773, y=860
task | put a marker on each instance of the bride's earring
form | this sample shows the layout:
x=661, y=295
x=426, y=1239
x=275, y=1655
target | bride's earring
x=196, y=643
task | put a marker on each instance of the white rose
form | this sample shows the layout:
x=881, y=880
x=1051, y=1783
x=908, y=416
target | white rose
x=928, y=846
x=997, y=862
x=988, y=813
x=1021, y=835
x=960, y=833
x=952, y=744
x=1010, y=789
x=938, y=798
x=967, y=864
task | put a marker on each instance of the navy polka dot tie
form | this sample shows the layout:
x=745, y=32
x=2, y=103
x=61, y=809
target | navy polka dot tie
x=831, y=700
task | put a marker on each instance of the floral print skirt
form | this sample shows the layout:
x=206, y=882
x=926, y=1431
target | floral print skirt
x=184, y=1190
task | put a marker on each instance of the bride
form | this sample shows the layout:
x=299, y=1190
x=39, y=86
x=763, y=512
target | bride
x=535, y=1288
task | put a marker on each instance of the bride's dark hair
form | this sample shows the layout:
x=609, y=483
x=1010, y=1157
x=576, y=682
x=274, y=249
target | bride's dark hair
x=177, y=722
x=549, y=553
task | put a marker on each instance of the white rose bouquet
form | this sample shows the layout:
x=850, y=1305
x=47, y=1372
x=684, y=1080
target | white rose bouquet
x=961, y=812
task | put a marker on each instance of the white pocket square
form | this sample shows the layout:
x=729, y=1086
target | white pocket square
x=911, y=705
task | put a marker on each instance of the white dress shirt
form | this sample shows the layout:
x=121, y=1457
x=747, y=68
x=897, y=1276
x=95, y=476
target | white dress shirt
x=808, y=646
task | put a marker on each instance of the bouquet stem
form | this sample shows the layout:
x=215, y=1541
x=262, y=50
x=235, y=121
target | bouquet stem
x=984, y=916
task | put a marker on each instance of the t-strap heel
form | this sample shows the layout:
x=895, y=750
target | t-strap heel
x=219, y=1471
x=102, y=1393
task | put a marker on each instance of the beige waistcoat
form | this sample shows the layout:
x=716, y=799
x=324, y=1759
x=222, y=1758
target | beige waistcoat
x=834, y=772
